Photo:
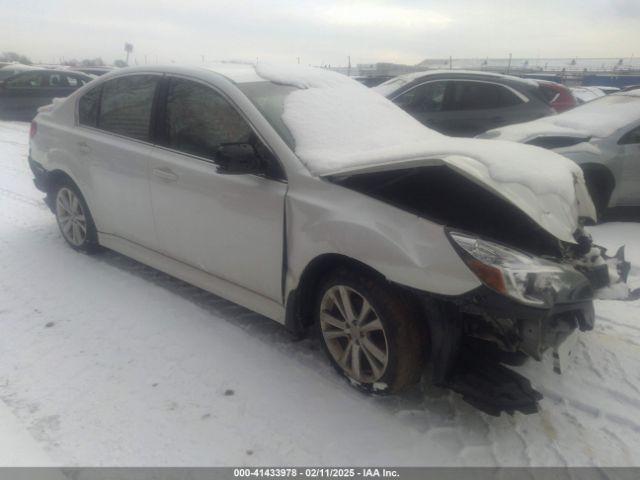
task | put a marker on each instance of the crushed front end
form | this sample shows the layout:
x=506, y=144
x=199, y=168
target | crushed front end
x=526, y=306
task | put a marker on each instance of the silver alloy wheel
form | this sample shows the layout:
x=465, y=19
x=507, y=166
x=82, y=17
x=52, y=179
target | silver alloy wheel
x=71, y=218
x=354, y=334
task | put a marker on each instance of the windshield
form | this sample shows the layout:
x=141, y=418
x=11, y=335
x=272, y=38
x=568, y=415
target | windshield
x=391, y=85
x=268, y=97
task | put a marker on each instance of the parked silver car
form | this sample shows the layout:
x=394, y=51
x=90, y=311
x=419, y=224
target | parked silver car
x=602, y=136
x=310, y=199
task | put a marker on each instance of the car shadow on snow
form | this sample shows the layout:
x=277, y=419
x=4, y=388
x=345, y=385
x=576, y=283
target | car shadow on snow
x=420, y=407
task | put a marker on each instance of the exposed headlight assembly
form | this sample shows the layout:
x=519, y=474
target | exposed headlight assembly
x=526, y=278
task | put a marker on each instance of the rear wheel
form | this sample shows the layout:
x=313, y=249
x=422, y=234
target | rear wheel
x=74, y=219
x=370, y=333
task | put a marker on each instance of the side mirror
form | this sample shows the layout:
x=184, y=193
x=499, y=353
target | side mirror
x=238, y=159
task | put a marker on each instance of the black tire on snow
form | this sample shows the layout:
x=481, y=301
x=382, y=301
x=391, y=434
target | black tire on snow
x=405, y=331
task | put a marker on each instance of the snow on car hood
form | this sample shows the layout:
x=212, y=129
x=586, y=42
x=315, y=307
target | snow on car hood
x=340, y=126
x=598, y=118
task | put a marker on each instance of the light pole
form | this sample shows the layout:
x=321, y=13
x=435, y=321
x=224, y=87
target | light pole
x=128, y=47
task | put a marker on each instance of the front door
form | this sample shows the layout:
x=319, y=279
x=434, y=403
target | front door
x=230, y=226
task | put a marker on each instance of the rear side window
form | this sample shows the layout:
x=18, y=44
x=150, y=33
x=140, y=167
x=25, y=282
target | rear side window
x=482, y=96
x=126, y=105
x=88, y=107
x=428, y=97
x=198, y=120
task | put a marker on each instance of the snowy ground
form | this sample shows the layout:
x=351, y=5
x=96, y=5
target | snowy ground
x=104, y=361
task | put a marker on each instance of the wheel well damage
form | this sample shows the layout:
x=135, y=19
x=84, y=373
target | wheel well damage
x=301, y=301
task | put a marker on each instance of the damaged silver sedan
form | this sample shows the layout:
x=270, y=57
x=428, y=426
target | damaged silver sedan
x=306, y=197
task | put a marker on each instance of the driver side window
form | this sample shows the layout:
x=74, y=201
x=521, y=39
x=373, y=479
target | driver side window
x=198, y=120
x=631, y=137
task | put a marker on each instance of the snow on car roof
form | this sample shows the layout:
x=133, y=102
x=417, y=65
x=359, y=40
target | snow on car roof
x=341, y=126
x=401, y=80
x=601, y=117
x=235, y=71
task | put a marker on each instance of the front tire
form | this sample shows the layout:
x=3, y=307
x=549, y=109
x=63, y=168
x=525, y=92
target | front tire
x=370, y=332
x=74, y=218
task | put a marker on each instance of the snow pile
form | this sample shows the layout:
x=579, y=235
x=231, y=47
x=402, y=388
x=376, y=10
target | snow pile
x=599, y=118
x=340, y=126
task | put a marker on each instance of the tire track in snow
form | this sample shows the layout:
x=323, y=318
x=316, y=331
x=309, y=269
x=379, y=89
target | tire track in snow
x=23, y=198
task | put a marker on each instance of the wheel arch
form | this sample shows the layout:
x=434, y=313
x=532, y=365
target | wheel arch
x=301, y=300
x=50, y=181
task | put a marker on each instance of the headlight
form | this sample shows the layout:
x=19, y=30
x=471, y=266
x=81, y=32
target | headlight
x=528, y=279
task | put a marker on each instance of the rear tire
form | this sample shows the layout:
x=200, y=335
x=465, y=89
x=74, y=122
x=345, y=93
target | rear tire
x=370, y=332
x=74, y=218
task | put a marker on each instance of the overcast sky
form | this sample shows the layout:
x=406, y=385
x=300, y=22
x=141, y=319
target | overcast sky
x=320, y=31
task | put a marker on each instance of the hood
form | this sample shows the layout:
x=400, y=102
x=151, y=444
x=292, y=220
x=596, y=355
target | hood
x=547, y=187
x=340, y=127
x=599, y=118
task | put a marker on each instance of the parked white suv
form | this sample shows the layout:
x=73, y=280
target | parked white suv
x=306, y=197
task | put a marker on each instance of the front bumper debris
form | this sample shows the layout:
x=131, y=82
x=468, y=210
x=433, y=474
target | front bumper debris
x=474, y=336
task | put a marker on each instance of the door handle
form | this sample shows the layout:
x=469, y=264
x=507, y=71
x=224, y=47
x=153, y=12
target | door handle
x=165, y=174
x=84, y=148
x=497, y=119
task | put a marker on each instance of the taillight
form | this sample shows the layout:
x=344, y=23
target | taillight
x=33, y=130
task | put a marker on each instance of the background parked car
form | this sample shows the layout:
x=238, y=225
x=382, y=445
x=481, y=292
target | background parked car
x=559, y=96
x=23, y=93
x=608, y=90
x=97, y=71
x=586, y=94
x=466, y=103
x=602, y=136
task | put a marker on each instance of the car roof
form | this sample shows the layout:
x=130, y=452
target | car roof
x=236, y=72
x=51, y=70
x=401, y=81
x=18, y=67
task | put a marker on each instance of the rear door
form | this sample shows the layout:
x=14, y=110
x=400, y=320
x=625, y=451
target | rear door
x=230, y=226
x=115, y=139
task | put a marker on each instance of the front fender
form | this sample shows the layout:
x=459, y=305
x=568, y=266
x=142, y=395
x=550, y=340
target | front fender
x=403, y=247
